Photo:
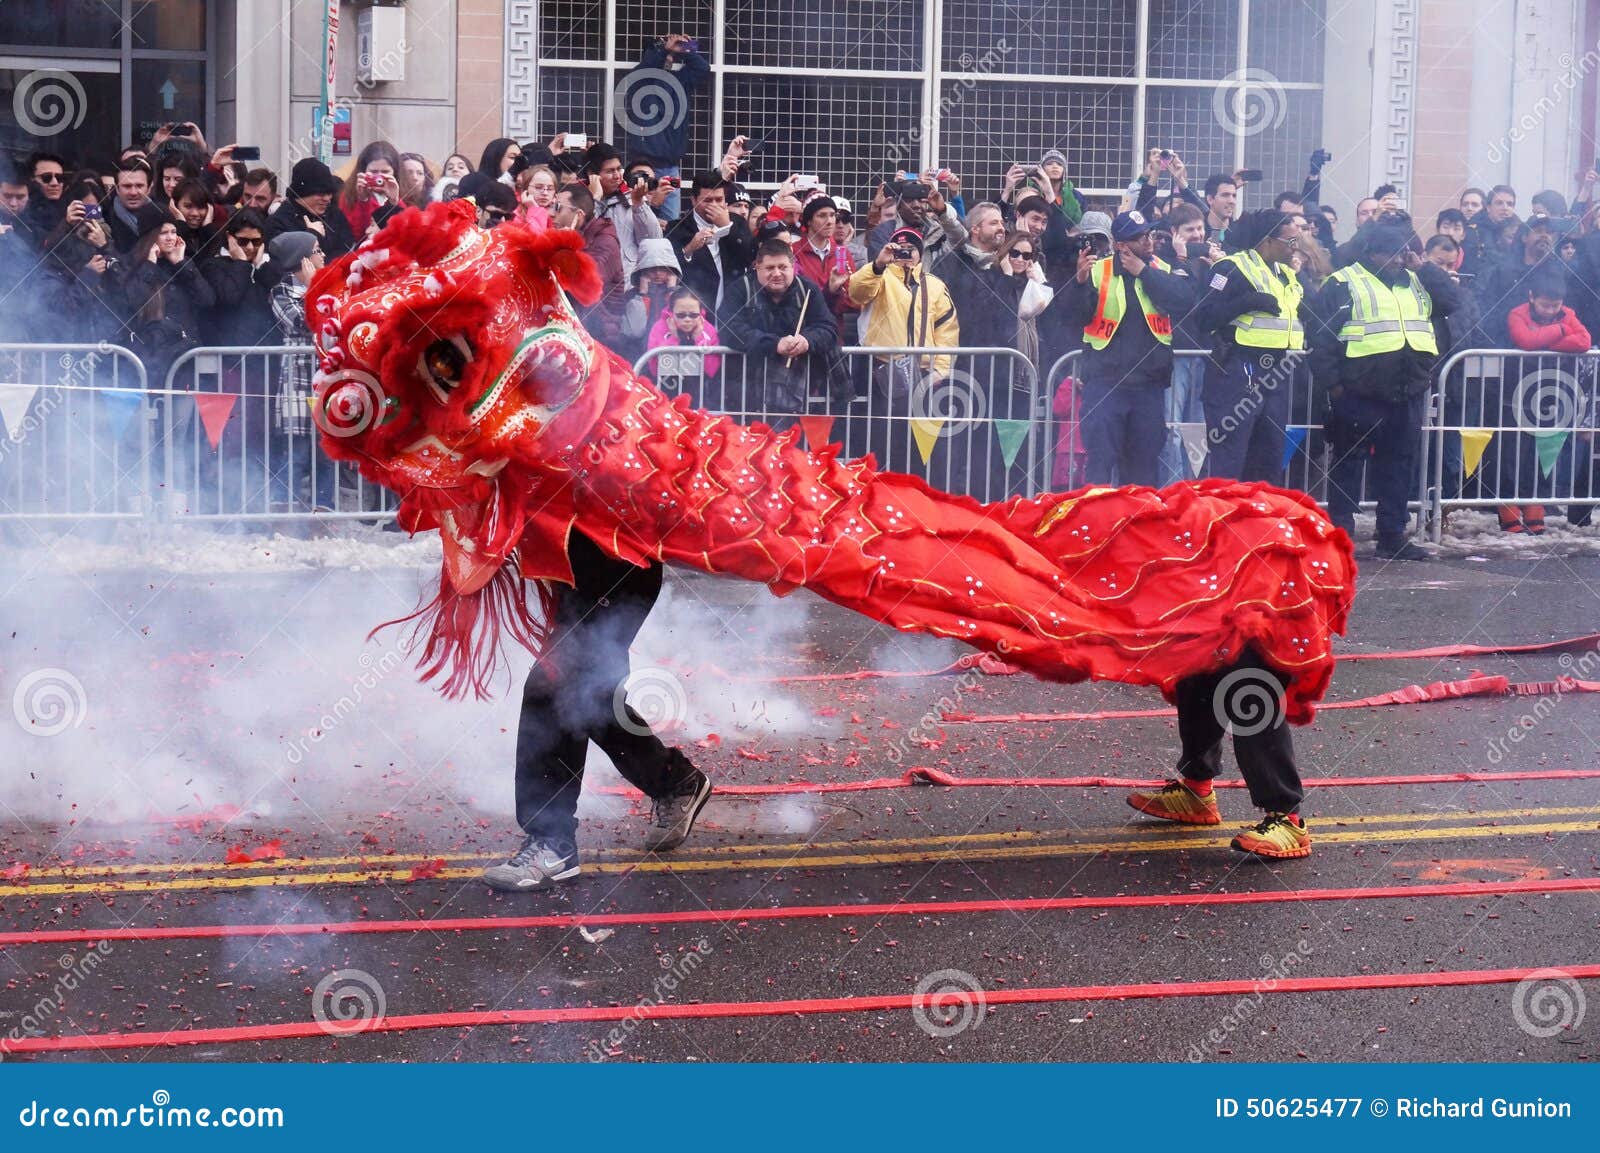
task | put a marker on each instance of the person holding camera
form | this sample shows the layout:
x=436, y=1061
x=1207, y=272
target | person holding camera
x=626, y=206
x=1254, y=310
x=373, y=183
x=673, y=67
x=1129, y=363
x=904, y=306
x=921, y=206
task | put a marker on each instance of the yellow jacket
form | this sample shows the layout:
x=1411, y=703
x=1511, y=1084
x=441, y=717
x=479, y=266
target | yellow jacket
x=887, y=301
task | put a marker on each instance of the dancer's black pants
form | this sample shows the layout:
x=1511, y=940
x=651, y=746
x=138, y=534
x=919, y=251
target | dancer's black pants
x=574, y=695
x=1265, y=751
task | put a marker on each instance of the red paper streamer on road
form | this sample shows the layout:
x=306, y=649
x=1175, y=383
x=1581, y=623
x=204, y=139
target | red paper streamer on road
x=569, y=921
x=651, y=1010
x=992, y=666
x=1479, y=686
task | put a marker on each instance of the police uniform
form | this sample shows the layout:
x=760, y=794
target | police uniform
x=1129, y=363
x=1253, y=309
x=1373, y=350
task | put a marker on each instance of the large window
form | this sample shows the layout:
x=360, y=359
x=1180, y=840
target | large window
x=84, y=77
x=848, y=86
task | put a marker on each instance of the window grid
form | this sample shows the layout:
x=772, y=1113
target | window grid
x=846, y=129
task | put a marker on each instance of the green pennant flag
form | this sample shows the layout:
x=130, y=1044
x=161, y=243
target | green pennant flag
x=1011, y=433
x=1550, y=445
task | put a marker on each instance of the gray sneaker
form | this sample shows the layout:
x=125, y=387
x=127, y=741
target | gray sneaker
x=672, y=818
x=537, y=865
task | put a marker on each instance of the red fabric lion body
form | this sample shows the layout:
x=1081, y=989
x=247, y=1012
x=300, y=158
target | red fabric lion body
x=454, y=371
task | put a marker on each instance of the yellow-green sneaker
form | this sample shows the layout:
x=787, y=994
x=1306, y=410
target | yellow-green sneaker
x=1176, y=801
x=1279, y=837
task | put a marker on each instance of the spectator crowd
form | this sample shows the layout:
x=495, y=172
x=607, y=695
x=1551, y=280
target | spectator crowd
x=175, y=245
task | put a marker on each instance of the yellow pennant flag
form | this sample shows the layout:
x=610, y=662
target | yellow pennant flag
x=1473, y=442
x=926, y=430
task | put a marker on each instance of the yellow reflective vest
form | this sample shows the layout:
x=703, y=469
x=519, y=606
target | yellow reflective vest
x=1384, y=318
x=1114, y=304
x=1262, y=329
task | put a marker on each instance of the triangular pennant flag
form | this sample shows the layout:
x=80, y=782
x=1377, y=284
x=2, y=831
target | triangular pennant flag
x=14, y=402
x=1473, y=443
x=1011, y=433
x=817, y=430
x=1195, y=444
x=215, y=409
x=1293, y=439
x=926, y=430
x=121, y=407
x=1550, y=445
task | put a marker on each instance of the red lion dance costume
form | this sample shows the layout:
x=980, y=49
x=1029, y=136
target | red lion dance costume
x=454, y=371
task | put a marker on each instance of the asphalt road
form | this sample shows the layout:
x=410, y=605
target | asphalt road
x=1078, y=930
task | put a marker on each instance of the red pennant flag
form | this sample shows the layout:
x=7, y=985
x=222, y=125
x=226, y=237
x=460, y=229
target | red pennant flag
x=215, y=409
x=817, y=430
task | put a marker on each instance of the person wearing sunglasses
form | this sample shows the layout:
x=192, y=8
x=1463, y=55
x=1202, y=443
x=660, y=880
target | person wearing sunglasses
x=684, y=324
x=47, y=187
x=1017, y=278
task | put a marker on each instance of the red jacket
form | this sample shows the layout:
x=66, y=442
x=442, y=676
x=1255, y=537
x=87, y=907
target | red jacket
x=816, y=269
x=1567, y=334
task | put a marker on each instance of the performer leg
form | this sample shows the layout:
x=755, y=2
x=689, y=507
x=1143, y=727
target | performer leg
x=1188, y=799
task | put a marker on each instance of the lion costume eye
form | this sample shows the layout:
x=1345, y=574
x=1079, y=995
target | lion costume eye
x=442, y=365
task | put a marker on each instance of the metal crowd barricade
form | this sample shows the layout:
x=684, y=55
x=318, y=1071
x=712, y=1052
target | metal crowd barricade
x=77, y=435
x=1507, y=427
x=963, y=419
x=1189, y=439
x=237, y=441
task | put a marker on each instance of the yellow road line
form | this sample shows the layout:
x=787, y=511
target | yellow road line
x=1210, y=840
x=382, y=861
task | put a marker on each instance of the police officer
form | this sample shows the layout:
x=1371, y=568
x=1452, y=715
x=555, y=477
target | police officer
x=1373, y=348
x=1125, y=303
x=1254, y=310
